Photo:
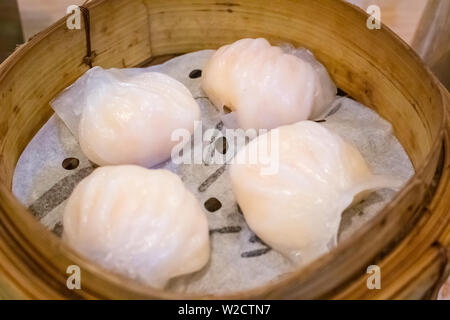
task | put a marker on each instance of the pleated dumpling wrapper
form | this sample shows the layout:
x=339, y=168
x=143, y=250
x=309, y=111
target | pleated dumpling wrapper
x=139, y=222
x=267, y=86
x=126, y=116
x=296, y=206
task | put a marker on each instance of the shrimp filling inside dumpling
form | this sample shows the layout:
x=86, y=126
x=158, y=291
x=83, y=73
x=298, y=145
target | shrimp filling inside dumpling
x=138, y=222
x=126, y=116
x=267, y=86
x=297, y=210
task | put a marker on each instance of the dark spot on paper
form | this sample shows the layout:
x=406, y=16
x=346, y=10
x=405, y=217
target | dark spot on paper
x=229, y=229
x=319, y=121
x=196, y=73
x=239, y=210
x=255, y=253
x=58, y=229
x=56, y=195
x=219, y=126
x=211, y=179
x=70, y=163
x=255, y=239
x=221, y=145
x=335, y=109
x=212, y=204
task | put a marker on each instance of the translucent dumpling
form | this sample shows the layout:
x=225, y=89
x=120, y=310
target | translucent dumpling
x=267, y=86
x=126, y=116
x=297, y=208
x=142, y=223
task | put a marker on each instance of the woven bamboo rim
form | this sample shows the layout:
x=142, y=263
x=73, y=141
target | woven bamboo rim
x=409, y=239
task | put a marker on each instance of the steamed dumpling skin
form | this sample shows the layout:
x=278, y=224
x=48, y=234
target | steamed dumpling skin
x=298, y=209
x=126, y=116
x=265, y=86
x=138, y=222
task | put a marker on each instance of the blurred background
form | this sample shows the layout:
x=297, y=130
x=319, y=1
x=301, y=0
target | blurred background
x=423, y=24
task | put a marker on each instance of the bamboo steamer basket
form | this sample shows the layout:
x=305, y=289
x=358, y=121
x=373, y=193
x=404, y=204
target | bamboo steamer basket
x=408, y=239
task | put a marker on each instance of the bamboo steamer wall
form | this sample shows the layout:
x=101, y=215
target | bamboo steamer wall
x=409, y=239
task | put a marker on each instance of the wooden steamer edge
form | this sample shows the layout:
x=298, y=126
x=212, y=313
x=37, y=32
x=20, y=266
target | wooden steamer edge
x=33, y=261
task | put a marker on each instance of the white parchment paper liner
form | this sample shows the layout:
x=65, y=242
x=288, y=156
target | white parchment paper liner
x=239, y=260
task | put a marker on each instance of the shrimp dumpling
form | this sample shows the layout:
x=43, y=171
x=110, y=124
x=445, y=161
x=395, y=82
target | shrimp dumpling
x=126, y=116
x=267, y=86
x=296, y=206
x=138, y=222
